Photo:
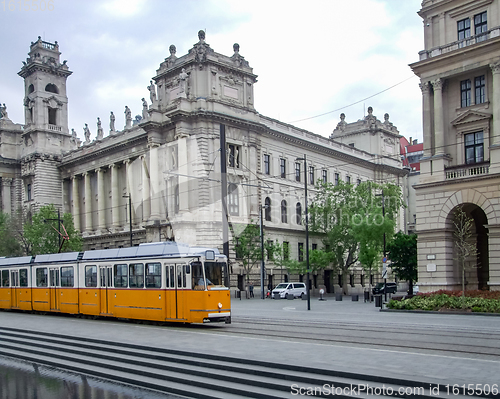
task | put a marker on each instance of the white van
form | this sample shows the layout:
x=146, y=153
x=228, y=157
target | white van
x=295, y=289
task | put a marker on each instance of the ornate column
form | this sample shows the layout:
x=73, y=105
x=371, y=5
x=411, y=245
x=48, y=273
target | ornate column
x=88, y=202
x=426, y=108
x=146, y=197
x=76, y=202
x=439, y=141
x=115, y=196
x=101, y=203
x=154, y=182
x=6, y=194
x=129, y=185
x=495, y=133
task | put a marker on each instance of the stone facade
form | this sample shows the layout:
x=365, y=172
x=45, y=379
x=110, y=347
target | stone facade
x=460, y=81
x=167, y=164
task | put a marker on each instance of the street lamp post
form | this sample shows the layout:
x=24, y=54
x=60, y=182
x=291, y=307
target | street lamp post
x=307, y=230
x=129, y=196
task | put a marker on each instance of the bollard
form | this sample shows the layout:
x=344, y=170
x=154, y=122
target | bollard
x=321, y=293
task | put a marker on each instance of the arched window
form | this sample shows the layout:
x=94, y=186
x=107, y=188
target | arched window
x=234, y=208
x=31, y=89
x=267, y=211
x=283, y=212
x=52, y=88
x=298, y=213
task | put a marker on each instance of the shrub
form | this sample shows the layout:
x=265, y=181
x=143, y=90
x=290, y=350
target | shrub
x=475, y=301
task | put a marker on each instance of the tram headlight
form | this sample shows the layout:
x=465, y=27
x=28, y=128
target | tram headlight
x=220, y=305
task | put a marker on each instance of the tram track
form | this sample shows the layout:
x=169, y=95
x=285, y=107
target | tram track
x=441, y=340
x=193, y=375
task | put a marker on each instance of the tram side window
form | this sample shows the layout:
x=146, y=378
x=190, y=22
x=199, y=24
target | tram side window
x=136, y=278
x=67, y=276
x=197, y=282
x=153, y=275
x=90, y=276
x=23, y=277
x=121, y=276
x=41, y=277
x=5, y=278
x=170, y=276
x=181, y=276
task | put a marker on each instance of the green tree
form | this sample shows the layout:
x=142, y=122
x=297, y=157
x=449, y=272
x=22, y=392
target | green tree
x=9, y=245
x=353, y=220
x=280, y=256
x=247, y=247
x=42, y=233
x=402, y=251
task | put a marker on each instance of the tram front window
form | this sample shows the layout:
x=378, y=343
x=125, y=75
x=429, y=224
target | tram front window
x=213, y=272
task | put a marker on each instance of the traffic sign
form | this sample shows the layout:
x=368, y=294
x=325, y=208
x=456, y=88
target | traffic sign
x=384, y=259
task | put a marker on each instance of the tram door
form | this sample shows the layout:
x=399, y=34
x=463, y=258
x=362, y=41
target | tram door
x=106, y=273
x=14, y=288
x=54, y=288
x=180, y=292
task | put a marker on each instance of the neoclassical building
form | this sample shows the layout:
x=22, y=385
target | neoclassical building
x=159, y=177
x=459, y=72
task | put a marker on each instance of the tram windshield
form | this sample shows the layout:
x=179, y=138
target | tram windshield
x=214, y=275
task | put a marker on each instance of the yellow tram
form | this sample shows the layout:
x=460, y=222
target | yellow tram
x=164, y=281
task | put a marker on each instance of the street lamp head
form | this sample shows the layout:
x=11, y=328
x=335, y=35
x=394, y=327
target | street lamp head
x=300, y=159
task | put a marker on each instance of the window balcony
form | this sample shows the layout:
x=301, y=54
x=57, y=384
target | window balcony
x=492, y=33
x=469, y=170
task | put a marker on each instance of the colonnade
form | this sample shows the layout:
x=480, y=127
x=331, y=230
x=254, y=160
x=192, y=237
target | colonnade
x=111, y=190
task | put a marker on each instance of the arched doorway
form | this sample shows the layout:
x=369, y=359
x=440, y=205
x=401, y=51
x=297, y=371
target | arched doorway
x=477, y=267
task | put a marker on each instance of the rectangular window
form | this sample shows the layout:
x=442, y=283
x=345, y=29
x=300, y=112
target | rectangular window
x=348, y=179
x=463, y=28
x=28, y=191
x=337, y=178
x=153, y=275
x=234, y=156
x=297, y=171
x=479, y=87
x=358, y=182
x=465, y=93
x=136, y=275
x=474, y=148
x=5, y=278
x=286, y=250
x=41, y=277
x=267, y=164
x=283, y=168
x=301, y=251
x=121, y=276
x=23, y=277
x=324, y=176
x=90, y=276
x=480, y=26
x=270, y=249
x=314, y=246
x=311, y=175
x=67, y=276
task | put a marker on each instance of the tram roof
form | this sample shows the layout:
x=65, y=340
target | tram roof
x=61, y=257
x=166, y=248
x=21, y=260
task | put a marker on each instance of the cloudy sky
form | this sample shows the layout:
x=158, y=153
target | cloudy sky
x=315, y=57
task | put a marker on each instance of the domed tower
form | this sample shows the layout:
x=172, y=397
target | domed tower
x=45, y=136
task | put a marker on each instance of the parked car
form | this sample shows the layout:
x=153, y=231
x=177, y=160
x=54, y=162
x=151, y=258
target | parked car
x=391, y=288
x=295, y=289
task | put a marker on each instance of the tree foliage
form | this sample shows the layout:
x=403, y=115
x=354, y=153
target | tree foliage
x=9, y=245
x=402, y=251
x=42, y=233
x=353, y=219
x=247, y=247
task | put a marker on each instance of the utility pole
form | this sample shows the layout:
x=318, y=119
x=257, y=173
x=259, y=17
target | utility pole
x=307, y=231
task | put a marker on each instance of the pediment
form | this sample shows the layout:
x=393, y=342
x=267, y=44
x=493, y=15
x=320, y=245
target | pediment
x=471, y=116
